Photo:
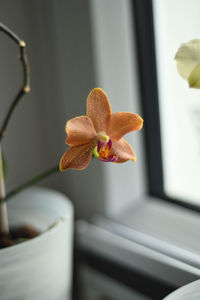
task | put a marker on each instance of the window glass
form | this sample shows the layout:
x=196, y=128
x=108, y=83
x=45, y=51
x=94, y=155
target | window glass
x=177, y=22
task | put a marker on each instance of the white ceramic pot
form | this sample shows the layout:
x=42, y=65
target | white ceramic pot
x=190, y=291
x=41, y=268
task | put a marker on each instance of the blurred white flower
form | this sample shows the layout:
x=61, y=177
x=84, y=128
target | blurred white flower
x=188, y=62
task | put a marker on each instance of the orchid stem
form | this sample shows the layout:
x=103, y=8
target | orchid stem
x=32, y=181
x=4, y=227
x=25, y=88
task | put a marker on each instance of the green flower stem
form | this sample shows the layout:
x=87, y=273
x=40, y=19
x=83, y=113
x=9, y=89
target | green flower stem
x=4, y=228
x=32, y=181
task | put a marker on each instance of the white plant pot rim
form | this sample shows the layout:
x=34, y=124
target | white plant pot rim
x=190, y=291
x=52, y=228
x=40, y=268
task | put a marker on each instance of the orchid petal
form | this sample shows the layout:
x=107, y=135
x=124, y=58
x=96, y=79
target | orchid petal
x=188, y=57
x=98, y=109
x=123, y=150
x=80, y=130
x=194, y=78
x=77, y=157
x=122, y=123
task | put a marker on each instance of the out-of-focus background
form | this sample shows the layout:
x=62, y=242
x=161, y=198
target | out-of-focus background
x=73, y=46
x=136, y=229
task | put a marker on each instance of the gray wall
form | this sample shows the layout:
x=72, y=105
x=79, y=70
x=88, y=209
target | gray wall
x=72, y=46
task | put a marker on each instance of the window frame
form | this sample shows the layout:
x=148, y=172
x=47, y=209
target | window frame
x=145, y=41
x=147, y=66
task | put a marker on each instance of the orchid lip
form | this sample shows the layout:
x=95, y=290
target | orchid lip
x=112, y=158
x=100, y=146
x=109, y=144
x=104, y=145
x=103, y=150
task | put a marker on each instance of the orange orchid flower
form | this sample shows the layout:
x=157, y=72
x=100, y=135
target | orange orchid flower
x=101, y=132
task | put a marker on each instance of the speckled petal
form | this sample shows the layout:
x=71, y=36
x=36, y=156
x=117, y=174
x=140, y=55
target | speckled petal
x=77, y=157
x=122, y=123
x=98, y=109
x=80, y=130
x=123, y=150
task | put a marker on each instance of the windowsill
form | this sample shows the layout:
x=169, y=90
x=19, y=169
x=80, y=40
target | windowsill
x=94, y=284
x=154, y=237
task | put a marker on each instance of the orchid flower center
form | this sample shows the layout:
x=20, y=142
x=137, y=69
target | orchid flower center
x=103, y=149
x=102, y=137
x=103, y=142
